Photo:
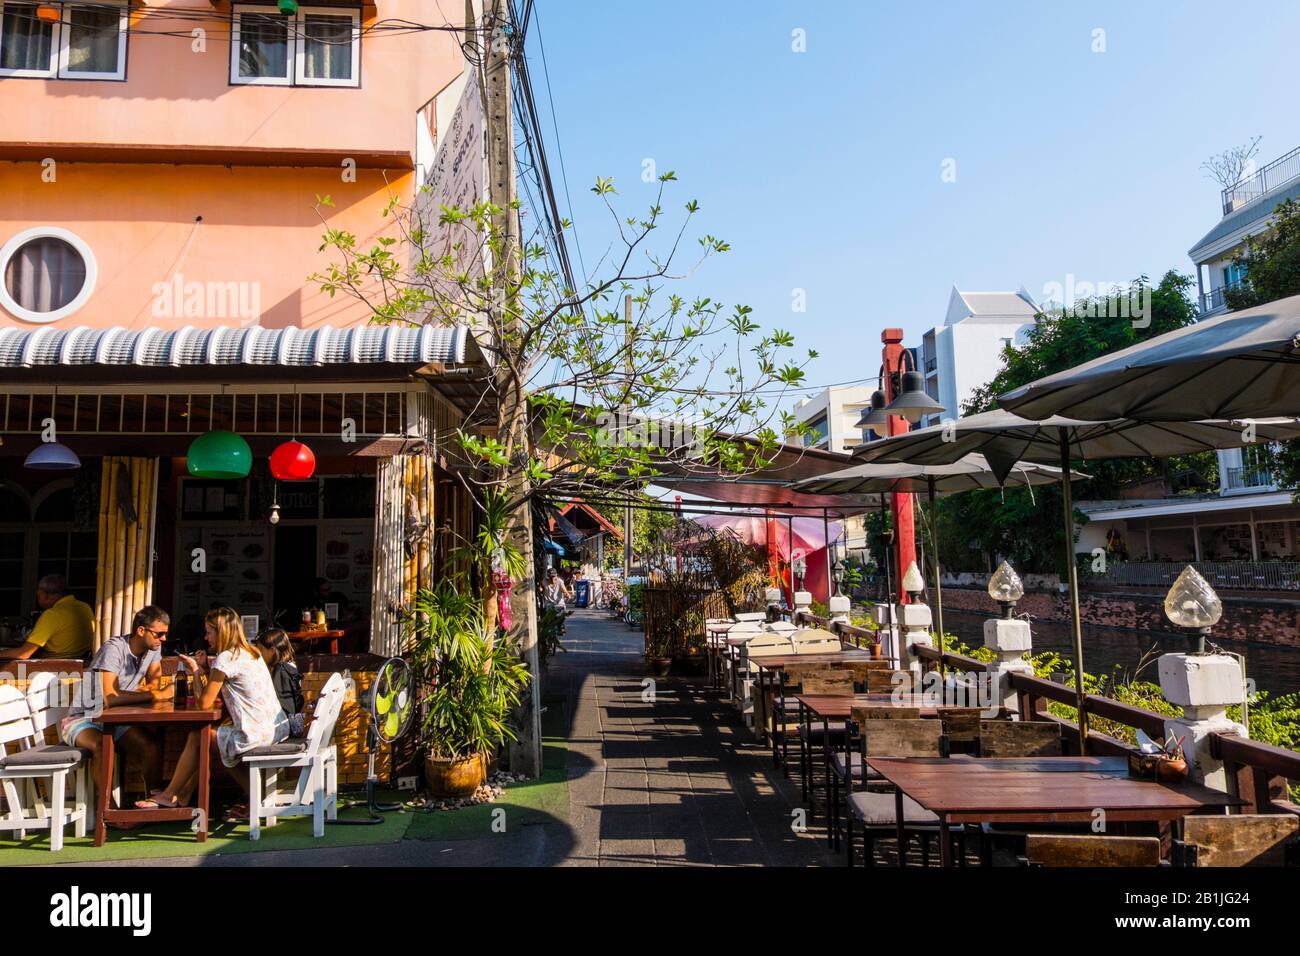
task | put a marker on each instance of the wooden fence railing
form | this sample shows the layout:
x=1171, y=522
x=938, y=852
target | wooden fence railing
x=1259, y=773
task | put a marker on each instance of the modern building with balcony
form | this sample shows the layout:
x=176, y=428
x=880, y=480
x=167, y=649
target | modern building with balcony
x=163, y=166
x=966, y=351
x=1247, y=207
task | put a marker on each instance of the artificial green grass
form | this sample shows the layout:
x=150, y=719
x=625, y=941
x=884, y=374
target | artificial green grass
x=543, y=800
x=535, y=801
x=159, y=840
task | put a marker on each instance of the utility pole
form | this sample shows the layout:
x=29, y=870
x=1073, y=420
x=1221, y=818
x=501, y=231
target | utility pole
x=627, y=396
x=512, y=421
x=904, y=527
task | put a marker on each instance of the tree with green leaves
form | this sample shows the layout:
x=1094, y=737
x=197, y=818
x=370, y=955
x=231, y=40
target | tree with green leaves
x=1271, y=261
x=586, y=397
x=979, y=526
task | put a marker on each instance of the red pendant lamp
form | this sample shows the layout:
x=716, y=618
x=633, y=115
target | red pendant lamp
x=293, y=461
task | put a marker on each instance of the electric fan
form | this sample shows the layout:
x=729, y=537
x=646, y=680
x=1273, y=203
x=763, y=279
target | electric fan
x=390, y=701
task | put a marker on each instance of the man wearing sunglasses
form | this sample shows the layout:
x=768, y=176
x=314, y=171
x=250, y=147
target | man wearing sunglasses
x=125, y=670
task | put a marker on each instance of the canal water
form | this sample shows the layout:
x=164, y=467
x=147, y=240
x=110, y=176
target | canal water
x=1274, y=669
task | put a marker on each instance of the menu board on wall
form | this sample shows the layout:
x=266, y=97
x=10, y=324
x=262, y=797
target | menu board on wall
x=238, y=569
x=347, y=559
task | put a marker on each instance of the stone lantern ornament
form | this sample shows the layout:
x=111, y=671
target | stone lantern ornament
x=1204, y=684
x=1006, y=588
x=913, y=583
x=1192, y=605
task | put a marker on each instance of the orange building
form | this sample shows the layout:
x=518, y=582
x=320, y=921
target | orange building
x=161, y=166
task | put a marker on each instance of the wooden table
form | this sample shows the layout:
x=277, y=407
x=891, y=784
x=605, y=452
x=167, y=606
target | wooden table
x=159, y=715
x=772, y=669
x=313, y=636
x=1029, y=790
x=831, y=708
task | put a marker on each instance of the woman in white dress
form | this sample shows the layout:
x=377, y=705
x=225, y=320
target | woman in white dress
x=238, y=675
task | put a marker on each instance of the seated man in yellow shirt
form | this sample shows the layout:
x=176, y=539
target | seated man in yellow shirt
x=65, y=627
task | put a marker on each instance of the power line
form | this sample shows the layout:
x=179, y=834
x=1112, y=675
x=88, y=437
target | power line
x=559, y=143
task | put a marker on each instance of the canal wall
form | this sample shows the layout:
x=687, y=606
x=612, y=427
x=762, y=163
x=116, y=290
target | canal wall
x=1254, y=620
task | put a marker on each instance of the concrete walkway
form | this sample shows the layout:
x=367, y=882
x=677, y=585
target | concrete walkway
x=664, y=773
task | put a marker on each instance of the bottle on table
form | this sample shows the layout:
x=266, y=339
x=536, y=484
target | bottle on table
x=182, y=688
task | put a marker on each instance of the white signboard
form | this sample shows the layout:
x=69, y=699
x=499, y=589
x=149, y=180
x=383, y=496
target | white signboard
x=457, y=176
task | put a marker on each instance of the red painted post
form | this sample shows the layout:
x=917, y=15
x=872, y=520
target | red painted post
x=904, y=527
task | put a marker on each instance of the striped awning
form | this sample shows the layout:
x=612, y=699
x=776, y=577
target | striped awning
x=189, y=347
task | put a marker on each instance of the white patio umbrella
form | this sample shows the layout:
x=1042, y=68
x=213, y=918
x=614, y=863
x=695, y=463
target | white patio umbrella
x=1006, y=439
x=969, y=473
x=1240, y=365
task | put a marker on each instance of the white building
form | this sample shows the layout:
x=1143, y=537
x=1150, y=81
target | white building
x=1247, y=207
x=966, y=351
x=833, y=417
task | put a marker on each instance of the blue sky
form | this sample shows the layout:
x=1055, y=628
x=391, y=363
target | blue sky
x=823, y=168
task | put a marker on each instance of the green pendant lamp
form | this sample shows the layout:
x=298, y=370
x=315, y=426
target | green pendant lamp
x=288, y=7
x=219, y=454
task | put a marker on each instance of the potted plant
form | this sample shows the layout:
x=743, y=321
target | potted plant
x=473, y=683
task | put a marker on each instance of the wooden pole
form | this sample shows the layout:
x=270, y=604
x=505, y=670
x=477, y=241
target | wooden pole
x=1072, y=575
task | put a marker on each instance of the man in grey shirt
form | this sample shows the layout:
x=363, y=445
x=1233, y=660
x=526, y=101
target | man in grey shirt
x=124, y=671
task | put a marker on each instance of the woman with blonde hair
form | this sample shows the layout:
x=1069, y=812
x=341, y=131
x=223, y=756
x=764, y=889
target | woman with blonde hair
x=240, y=677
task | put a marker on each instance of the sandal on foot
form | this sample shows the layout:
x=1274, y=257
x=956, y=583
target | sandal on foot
x=157, y=803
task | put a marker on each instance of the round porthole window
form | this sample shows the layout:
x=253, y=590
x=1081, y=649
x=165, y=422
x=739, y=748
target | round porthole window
x=45, y=274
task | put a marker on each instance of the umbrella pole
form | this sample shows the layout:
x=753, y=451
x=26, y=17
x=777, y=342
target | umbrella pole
x=889, y=582
x=826, y=538
x=934, y=563
x=1072, y=576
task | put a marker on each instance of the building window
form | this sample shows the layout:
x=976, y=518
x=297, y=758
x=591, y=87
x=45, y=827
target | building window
x=314, y=47
x=818, y=432
x=27, y=45
x=1234, y=274
x=47, y=274
x=328, y=48
x=87, y=43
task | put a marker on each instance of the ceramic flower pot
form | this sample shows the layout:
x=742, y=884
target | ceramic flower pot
x=1171, y=771
x=456, y=776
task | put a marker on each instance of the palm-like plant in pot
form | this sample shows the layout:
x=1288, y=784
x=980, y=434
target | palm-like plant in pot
x=474, y=683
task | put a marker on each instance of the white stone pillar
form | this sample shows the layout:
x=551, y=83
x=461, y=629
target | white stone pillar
x=803, y=601
x=916, y=620
x=887, y=631
x=839, y=609
x=1010, y=639
x=1204, y=686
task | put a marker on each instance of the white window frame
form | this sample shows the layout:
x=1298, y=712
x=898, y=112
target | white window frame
x=64, y=43
x=300, y=48
x=53, y=68
x=8, y=303
x=296, y=57
x=236, y=18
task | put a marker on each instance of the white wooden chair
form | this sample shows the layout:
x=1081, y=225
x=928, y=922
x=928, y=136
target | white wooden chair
x=812, y=640
x=316, y=760
x=765, y=644
x=26, y=759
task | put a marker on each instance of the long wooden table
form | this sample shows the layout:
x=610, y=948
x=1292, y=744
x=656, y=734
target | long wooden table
x=831, y=708
x=771, y=671
x=157, y=715
x=1029, y=790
